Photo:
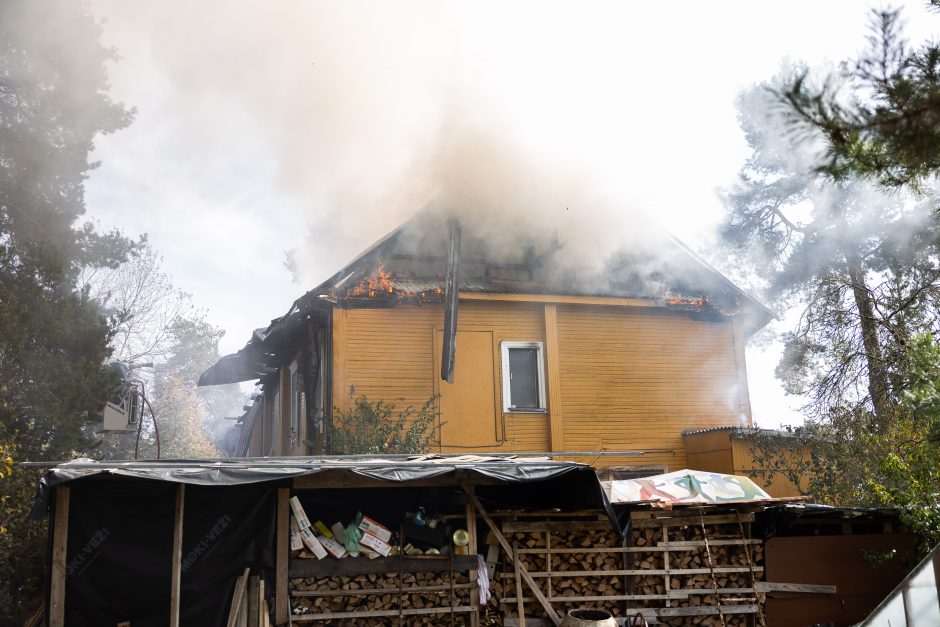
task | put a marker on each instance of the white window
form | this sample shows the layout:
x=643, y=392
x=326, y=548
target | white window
x=523, y=377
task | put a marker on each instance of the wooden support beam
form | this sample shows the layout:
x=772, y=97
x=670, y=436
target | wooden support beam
x=517, y=567
x=176, y=571
x=691, y=520
x=553, y=374
x=340, y=393
x=370, y=591
x=552, y=614
x=60, y=534
x=772, y=586
x=303, y=568
x=471, y=521
x=282, y=557
x=560, y=299
x=561, y=526
x=309, y=618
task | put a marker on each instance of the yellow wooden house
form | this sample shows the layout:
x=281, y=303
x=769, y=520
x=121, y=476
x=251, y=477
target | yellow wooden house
x=607, y=362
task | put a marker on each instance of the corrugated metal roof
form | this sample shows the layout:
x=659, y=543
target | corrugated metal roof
x=710, y=429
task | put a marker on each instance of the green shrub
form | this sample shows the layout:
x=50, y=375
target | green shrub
x=377, y=427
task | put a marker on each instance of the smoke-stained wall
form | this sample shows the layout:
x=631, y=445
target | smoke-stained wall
x=631, y=378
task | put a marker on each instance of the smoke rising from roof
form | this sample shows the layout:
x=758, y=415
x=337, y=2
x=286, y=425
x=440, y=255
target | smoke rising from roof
x=367, y=121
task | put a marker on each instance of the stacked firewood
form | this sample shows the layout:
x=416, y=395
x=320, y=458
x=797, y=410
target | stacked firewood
x=705, y=591
x=589, y=563
x=382, y=594
x=712, y=588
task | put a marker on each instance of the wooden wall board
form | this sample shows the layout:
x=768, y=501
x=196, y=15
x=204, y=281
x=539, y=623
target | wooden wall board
x=838, y=561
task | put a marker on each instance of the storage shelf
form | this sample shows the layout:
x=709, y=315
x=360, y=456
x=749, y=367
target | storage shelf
x=329, y=567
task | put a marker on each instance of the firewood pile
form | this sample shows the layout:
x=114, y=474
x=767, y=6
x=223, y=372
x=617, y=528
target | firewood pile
x=663, y=568
x=382, y=593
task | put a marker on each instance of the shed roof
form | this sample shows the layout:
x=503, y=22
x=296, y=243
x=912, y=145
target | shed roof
x=366, y=469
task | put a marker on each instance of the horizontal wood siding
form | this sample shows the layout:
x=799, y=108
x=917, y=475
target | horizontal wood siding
x=389, y=354
x=632, y=379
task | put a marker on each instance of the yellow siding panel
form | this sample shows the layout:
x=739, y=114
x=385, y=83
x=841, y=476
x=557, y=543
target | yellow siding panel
x=634, y=379
x=630, y=378
x=389, y=354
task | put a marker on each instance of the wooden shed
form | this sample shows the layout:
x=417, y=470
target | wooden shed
x=730, y=450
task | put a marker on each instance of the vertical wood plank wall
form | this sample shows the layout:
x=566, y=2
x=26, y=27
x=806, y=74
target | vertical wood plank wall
x=628, y=378
x=635, y=378
x=388, y=354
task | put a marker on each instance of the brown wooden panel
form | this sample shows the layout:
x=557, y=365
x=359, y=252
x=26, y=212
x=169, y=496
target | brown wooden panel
x=838, y=561
x=468, y=405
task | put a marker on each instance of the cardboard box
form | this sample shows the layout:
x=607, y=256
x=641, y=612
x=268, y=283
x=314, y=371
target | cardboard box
x=302, y=521
x=379, y=546
x=375, y=529
x=311, y=542
x=332, y=547
x=296, y=542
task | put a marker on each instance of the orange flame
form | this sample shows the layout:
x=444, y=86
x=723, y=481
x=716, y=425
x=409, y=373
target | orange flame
x=687, y=302
x=373, y=285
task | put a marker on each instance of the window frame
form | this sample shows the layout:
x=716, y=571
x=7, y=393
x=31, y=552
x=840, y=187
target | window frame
x=505, y=374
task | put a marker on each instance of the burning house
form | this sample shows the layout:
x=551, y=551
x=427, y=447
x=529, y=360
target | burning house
x=520, y=351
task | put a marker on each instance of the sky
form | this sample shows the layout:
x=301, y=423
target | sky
x=263, y=128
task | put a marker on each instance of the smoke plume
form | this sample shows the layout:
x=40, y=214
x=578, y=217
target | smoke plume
x=368, y=121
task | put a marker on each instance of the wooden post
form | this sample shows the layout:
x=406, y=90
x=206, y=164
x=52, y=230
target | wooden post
x=471, y=514
x=340, y=393
x=282, y=555
x=553, y=374
x=517, y=568
x=175, y=573
x=546, y=605
x=60, y=534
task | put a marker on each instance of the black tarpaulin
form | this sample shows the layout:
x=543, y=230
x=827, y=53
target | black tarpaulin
x=249, y=470
x=224, y=530
x=120, y=539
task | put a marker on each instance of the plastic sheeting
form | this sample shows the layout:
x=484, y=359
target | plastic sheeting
x=249, y=470
x=685, y=486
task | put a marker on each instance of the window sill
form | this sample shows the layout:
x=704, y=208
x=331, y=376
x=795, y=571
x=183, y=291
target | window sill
x=524, y=410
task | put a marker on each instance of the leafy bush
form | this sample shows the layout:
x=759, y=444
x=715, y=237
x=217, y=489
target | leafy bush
x=377, y=427
x=22, y=541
